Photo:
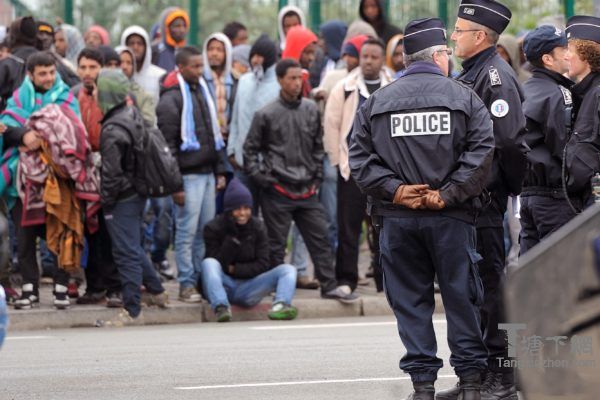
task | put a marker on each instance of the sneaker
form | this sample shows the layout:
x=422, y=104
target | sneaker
x=161, y=300
x=91, y=298
x=189, y=295
x=114, y=300
x=223, y=313
x=73, y=290
x=123, y=318
x=341, y=294
x=11, y=295
x=281, y=311
x=304, y=282
x=61, y=297
x=165, y=269
x=29, y=298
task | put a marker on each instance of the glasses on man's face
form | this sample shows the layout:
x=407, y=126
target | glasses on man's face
x=460, y=31
x=447, y=51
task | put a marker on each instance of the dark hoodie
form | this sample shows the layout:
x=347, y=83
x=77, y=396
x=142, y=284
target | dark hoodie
x=163, y=53
x=333, y=33
x=384, y=29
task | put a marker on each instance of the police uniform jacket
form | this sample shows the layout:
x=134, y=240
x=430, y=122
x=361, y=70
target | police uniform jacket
x=422, y=129
x=496, y=84
x=583, y=147
x=548, y=107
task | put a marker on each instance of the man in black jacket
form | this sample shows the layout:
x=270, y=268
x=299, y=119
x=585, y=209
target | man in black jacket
x=237, y=268
x=123, y=207
x=191, y=129
x=283, y=154
x=548, y=108
x=422, y=147
x=476, y=32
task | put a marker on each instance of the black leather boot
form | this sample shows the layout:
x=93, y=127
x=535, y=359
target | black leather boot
x=470, y=387
x=499, y=386
x=423, y=391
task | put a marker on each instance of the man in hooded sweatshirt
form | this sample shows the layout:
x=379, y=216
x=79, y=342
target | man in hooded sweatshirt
x=217, y=74
x=255, y=90
x=123, y=207
x=301, y=45
x=372, y=12
x=174, y=26
x=331, y=38
x=145, y=74
x=289, y=16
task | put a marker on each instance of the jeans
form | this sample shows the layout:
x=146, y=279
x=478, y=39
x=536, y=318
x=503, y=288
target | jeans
x=328, y=197
x=299, y=252
x=198, y=210
x=124, y=224
x=222, y=289
x=161, y=227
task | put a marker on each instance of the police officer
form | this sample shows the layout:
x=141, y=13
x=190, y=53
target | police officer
x=423, y=146
x=476, y=32
x=548, y=109
x=583, y=148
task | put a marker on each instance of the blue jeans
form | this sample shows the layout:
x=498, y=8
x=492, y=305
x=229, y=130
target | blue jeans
x=221, y=289
x=3, y=316
x=199, y=209
x=124, y=224
x=328, y=197
x=299, y=252
x=161, y=228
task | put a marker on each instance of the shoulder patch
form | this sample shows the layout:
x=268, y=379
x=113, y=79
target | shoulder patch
x=495, y=77
x=567, y=98
x=499, y=108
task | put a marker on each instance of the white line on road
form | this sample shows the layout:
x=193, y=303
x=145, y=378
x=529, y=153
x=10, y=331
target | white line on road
x=28, y=337
x=314, y=326
x=317, y=382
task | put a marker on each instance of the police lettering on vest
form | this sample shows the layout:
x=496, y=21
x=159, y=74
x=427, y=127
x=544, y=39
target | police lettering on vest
x=420, y=124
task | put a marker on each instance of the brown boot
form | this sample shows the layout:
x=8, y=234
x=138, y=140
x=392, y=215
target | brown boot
x=304, y=282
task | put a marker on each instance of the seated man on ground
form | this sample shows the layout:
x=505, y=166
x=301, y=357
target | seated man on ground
x=237, y=268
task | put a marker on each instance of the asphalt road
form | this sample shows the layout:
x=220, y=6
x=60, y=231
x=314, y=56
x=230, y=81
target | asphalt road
x=350, y=358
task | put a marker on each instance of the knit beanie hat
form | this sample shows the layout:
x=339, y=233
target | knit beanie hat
x=236, y=196
x=265, y=47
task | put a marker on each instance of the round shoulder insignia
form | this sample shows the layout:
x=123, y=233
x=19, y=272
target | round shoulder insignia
x=499, y=108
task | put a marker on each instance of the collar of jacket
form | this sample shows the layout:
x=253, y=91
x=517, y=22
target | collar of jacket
x=421, y=67
x=588, y=83
x=355, y=80
x=473, y=65
x=544, y=73
x=290, y=104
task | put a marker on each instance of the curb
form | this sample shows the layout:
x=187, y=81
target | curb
x=181, y=313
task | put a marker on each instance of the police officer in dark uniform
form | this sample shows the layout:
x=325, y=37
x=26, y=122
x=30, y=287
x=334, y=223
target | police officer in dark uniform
x=583, y=148
x=548, y=109
x=476, y=32
x=423, y=147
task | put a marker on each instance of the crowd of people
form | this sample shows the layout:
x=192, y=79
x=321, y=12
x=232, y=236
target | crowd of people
x=305, y=137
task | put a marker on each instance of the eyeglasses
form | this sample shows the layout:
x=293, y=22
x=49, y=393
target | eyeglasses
x=447, y=51
x=459, y=31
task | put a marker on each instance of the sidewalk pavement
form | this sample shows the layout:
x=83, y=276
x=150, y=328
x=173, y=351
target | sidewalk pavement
x=308, y=302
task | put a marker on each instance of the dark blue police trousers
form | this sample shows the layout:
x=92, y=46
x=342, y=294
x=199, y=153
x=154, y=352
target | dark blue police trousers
x=413, y=251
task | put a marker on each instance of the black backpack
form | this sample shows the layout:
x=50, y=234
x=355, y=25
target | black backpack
x=156, y=169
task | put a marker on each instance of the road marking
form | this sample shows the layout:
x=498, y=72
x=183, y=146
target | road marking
x=316, y=382
x=314, y=326
x=28, y=337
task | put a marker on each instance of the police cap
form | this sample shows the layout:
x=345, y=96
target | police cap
x=583, y=27
x=542, y=41
x=488, y=13
x=420, y=34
